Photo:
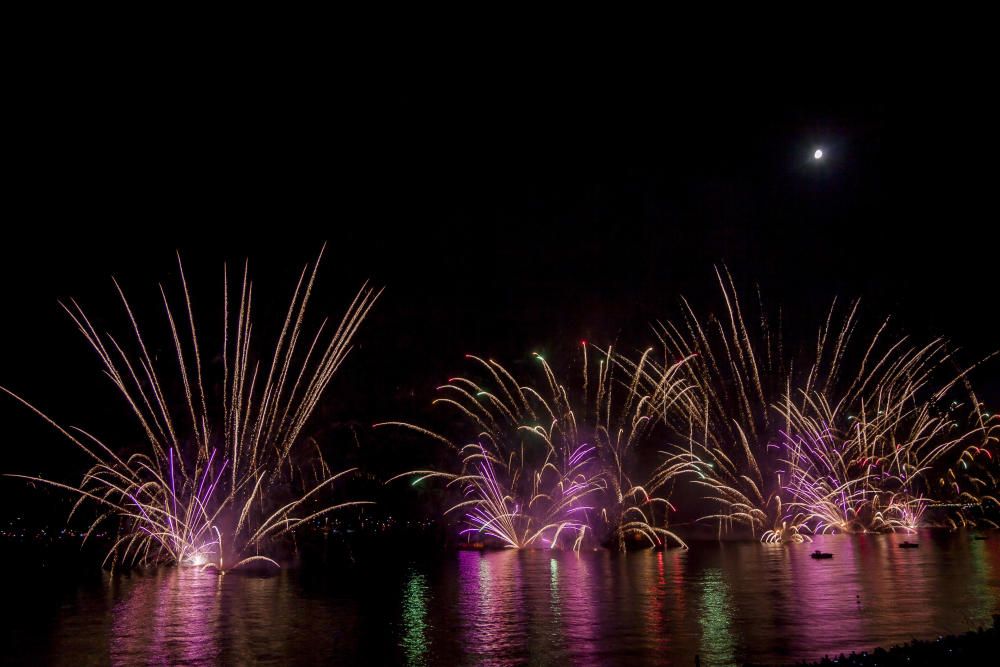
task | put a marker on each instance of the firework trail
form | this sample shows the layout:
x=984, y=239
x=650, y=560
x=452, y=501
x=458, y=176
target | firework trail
x=221, y=475
x=848, y=440
x=541, y=465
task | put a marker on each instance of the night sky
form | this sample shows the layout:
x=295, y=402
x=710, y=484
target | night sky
x=500, y=223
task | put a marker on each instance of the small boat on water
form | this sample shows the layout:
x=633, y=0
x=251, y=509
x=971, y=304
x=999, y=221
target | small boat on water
x=908, y=545
x=819, y=555
x=980, y=537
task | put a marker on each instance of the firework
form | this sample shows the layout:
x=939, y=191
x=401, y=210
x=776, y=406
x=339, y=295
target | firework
x=847, y=441
x=543, y=465
x=220, y=476
x=868, y=463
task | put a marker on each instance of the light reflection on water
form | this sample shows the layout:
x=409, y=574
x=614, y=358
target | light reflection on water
x=728, y=603
x=415, y=628
x=171, y=616
x=715, y=614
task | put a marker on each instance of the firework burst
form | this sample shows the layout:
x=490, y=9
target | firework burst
x=221, y=476
x=847, y=441
x=541, y=465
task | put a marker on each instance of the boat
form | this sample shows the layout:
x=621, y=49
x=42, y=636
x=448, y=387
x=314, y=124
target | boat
x=908, y=545
x=819, y=555
x=980, y=537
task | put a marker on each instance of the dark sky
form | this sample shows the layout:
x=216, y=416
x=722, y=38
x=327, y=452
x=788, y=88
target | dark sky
x=501, y=221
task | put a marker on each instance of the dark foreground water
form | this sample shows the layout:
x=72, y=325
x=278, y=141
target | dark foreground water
x=729, y=602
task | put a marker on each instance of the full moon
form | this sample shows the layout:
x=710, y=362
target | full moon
x=818, y=154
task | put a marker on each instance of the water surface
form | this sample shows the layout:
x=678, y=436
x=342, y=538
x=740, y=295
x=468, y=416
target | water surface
x=727, y=602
